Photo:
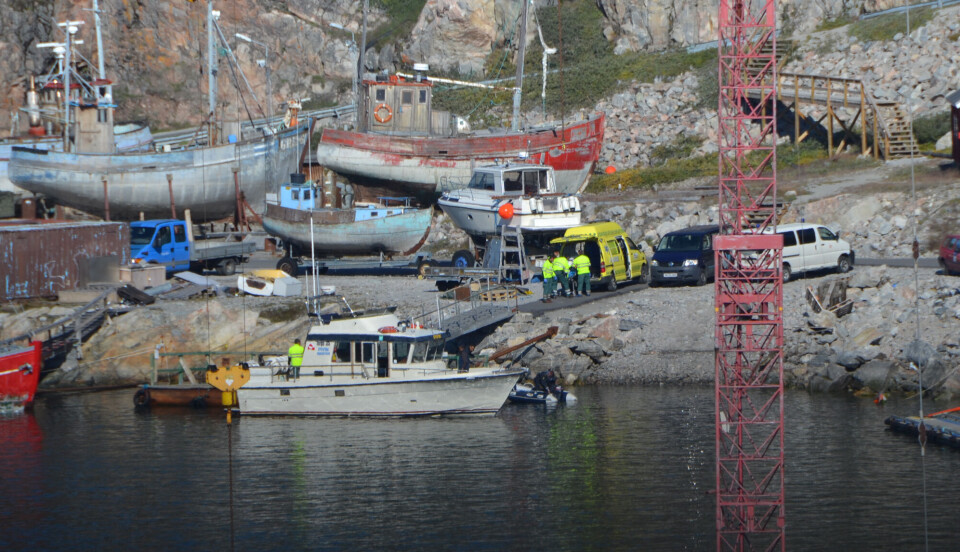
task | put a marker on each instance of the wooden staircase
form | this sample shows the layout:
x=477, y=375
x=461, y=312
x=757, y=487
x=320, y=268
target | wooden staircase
x=886, y=121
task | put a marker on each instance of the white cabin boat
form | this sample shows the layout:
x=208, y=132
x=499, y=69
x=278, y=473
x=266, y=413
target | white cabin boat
x=528, y=192
x=372, y=364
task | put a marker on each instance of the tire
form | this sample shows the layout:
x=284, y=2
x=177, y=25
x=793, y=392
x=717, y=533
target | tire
x=612, y=282
x=644, y=277
x=288, y=265
x=227, y=267
x=141, y=399
x=702, y=277
x=787, y=272
x=843, y=265
x=463, y=259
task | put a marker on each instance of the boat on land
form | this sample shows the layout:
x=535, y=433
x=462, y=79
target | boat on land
x=374, y=364
x=206, y=177
x=19, y=375
x=403, y=145
x=516, y=196
x=389, y=227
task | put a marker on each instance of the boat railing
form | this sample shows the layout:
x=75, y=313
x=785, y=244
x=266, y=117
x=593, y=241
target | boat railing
x=179, y=370
x=475, y=305
x=451, y=183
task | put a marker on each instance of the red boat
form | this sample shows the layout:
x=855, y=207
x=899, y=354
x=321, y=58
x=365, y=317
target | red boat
x=403, y=145
x=19, y=376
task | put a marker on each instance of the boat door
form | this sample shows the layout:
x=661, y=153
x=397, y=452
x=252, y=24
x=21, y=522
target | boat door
x=373, y=356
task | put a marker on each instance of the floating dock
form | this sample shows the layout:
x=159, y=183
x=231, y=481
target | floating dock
x=943, y=429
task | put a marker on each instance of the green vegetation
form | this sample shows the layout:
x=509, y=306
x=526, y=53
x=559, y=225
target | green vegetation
x=928, y=129
x=677, y=169
x=402, y=16
x=830, y=24
x=885, y=27
x=591, y=71
x=681, y=146
x=321, y=102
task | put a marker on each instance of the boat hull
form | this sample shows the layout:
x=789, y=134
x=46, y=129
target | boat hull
x=201, y=179
x=479, y=221
x=19, y=376
x=471, y=393
x=424, y=165
x=196, y=395
x=335, y=232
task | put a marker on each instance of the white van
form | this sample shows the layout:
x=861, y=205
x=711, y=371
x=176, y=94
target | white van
x=813, y=247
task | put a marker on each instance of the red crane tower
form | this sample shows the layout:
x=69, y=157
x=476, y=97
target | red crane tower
x=748, y=286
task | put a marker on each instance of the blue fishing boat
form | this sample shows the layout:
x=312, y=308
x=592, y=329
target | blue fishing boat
x=389, y=227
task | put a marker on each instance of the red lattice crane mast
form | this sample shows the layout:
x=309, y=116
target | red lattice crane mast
x=748, y=286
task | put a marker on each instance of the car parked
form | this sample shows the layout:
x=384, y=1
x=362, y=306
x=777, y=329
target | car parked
x=813, y=247
x=950, y=254
x=684, y=256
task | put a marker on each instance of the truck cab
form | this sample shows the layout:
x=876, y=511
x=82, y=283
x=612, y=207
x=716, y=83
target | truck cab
x=161, y=241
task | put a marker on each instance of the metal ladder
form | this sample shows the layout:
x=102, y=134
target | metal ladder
x=511, y=258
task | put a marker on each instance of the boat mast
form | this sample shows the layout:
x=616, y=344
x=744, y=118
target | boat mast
x=96, y=21
x=211, y=77
x=515, y=125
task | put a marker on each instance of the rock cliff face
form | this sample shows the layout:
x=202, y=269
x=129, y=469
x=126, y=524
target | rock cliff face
x=154, y=50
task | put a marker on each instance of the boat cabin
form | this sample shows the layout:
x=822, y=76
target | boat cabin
x=394, y=105
x=526, y=180
x=352, y=347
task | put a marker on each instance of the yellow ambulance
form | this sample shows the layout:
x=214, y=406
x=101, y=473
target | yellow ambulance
x=614, y=257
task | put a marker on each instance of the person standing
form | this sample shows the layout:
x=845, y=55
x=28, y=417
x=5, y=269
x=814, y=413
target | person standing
x=295, y=357
x=549, y=280
x=561, y=267
x=582, y=264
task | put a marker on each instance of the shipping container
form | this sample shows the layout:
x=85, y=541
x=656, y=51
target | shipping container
x=42, y=258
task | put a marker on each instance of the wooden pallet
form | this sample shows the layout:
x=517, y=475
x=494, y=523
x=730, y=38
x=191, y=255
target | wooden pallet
x=498, y=295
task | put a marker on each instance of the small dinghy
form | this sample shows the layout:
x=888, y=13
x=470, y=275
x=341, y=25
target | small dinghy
x=526, y=393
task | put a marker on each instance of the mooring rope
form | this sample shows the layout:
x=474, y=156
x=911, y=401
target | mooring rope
x=921, y=433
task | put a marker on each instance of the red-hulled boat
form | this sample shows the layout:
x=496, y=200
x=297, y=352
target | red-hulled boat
x=403, y=145
x=19, y=376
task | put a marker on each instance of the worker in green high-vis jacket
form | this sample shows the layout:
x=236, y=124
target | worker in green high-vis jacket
x=549, y=280
x=582, y=264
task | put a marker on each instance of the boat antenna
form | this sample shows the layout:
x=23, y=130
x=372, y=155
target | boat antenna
x=563, y=109
x=211, y=77
x=96, y=22
x=547, y=51
x=521, y=50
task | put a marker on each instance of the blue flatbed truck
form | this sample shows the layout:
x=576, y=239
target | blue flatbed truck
x=170, y=242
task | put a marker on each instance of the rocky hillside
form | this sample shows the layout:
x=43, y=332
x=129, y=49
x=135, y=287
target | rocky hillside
x=154, y=50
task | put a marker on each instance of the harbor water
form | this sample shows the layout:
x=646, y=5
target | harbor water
x=626, y=468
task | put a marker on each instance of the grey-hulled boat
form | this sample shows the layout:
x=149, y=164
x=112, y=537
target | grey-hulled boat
x=202, y=177
x=366, y=229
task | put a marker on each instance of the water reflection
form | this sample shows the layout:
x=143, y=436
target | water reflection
x=624, y=469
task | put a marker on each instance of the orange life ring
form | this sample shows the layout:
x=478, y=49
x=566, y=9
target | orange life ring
x=388, y=329
x=378, y=117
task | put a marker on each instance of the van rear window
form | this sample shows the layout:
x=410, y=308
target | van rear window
x=789, y=238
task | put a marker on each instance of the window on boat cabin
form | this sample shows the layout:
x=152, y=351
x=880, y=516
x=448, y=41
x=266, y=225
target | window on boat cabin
x=406, y=98
x=424, y=351
x=295, y=194
x=512, y=182
x=808, y=235
x=423, y=96
x=369, y=354
x=482, y=181
x=534, y=182
x=401, y=352
x=179, y=234
x=381, y=94
x=306, y=194
x=383, y=368
x=341, y=351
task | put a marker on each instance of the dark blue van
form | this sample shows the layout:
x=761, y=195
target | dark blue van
x=684, y=256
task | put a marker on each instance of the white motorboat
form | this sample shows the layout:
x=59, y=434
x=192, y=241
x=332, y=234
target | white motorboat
x=512, y=195
x=373, y=364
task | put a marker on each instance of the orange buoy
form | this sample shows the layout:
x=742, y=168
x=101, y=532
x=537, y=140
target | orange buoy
x=388, y=329
x=610, y=169
x=506, y=210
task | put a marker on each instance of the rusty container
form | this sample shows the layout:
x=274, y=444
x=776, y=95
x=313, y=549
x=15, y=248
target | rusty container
x=42, y=258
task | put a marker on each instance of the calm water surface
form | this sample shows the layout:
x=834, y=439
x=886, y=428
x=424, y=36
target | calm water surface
x=624, y=469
